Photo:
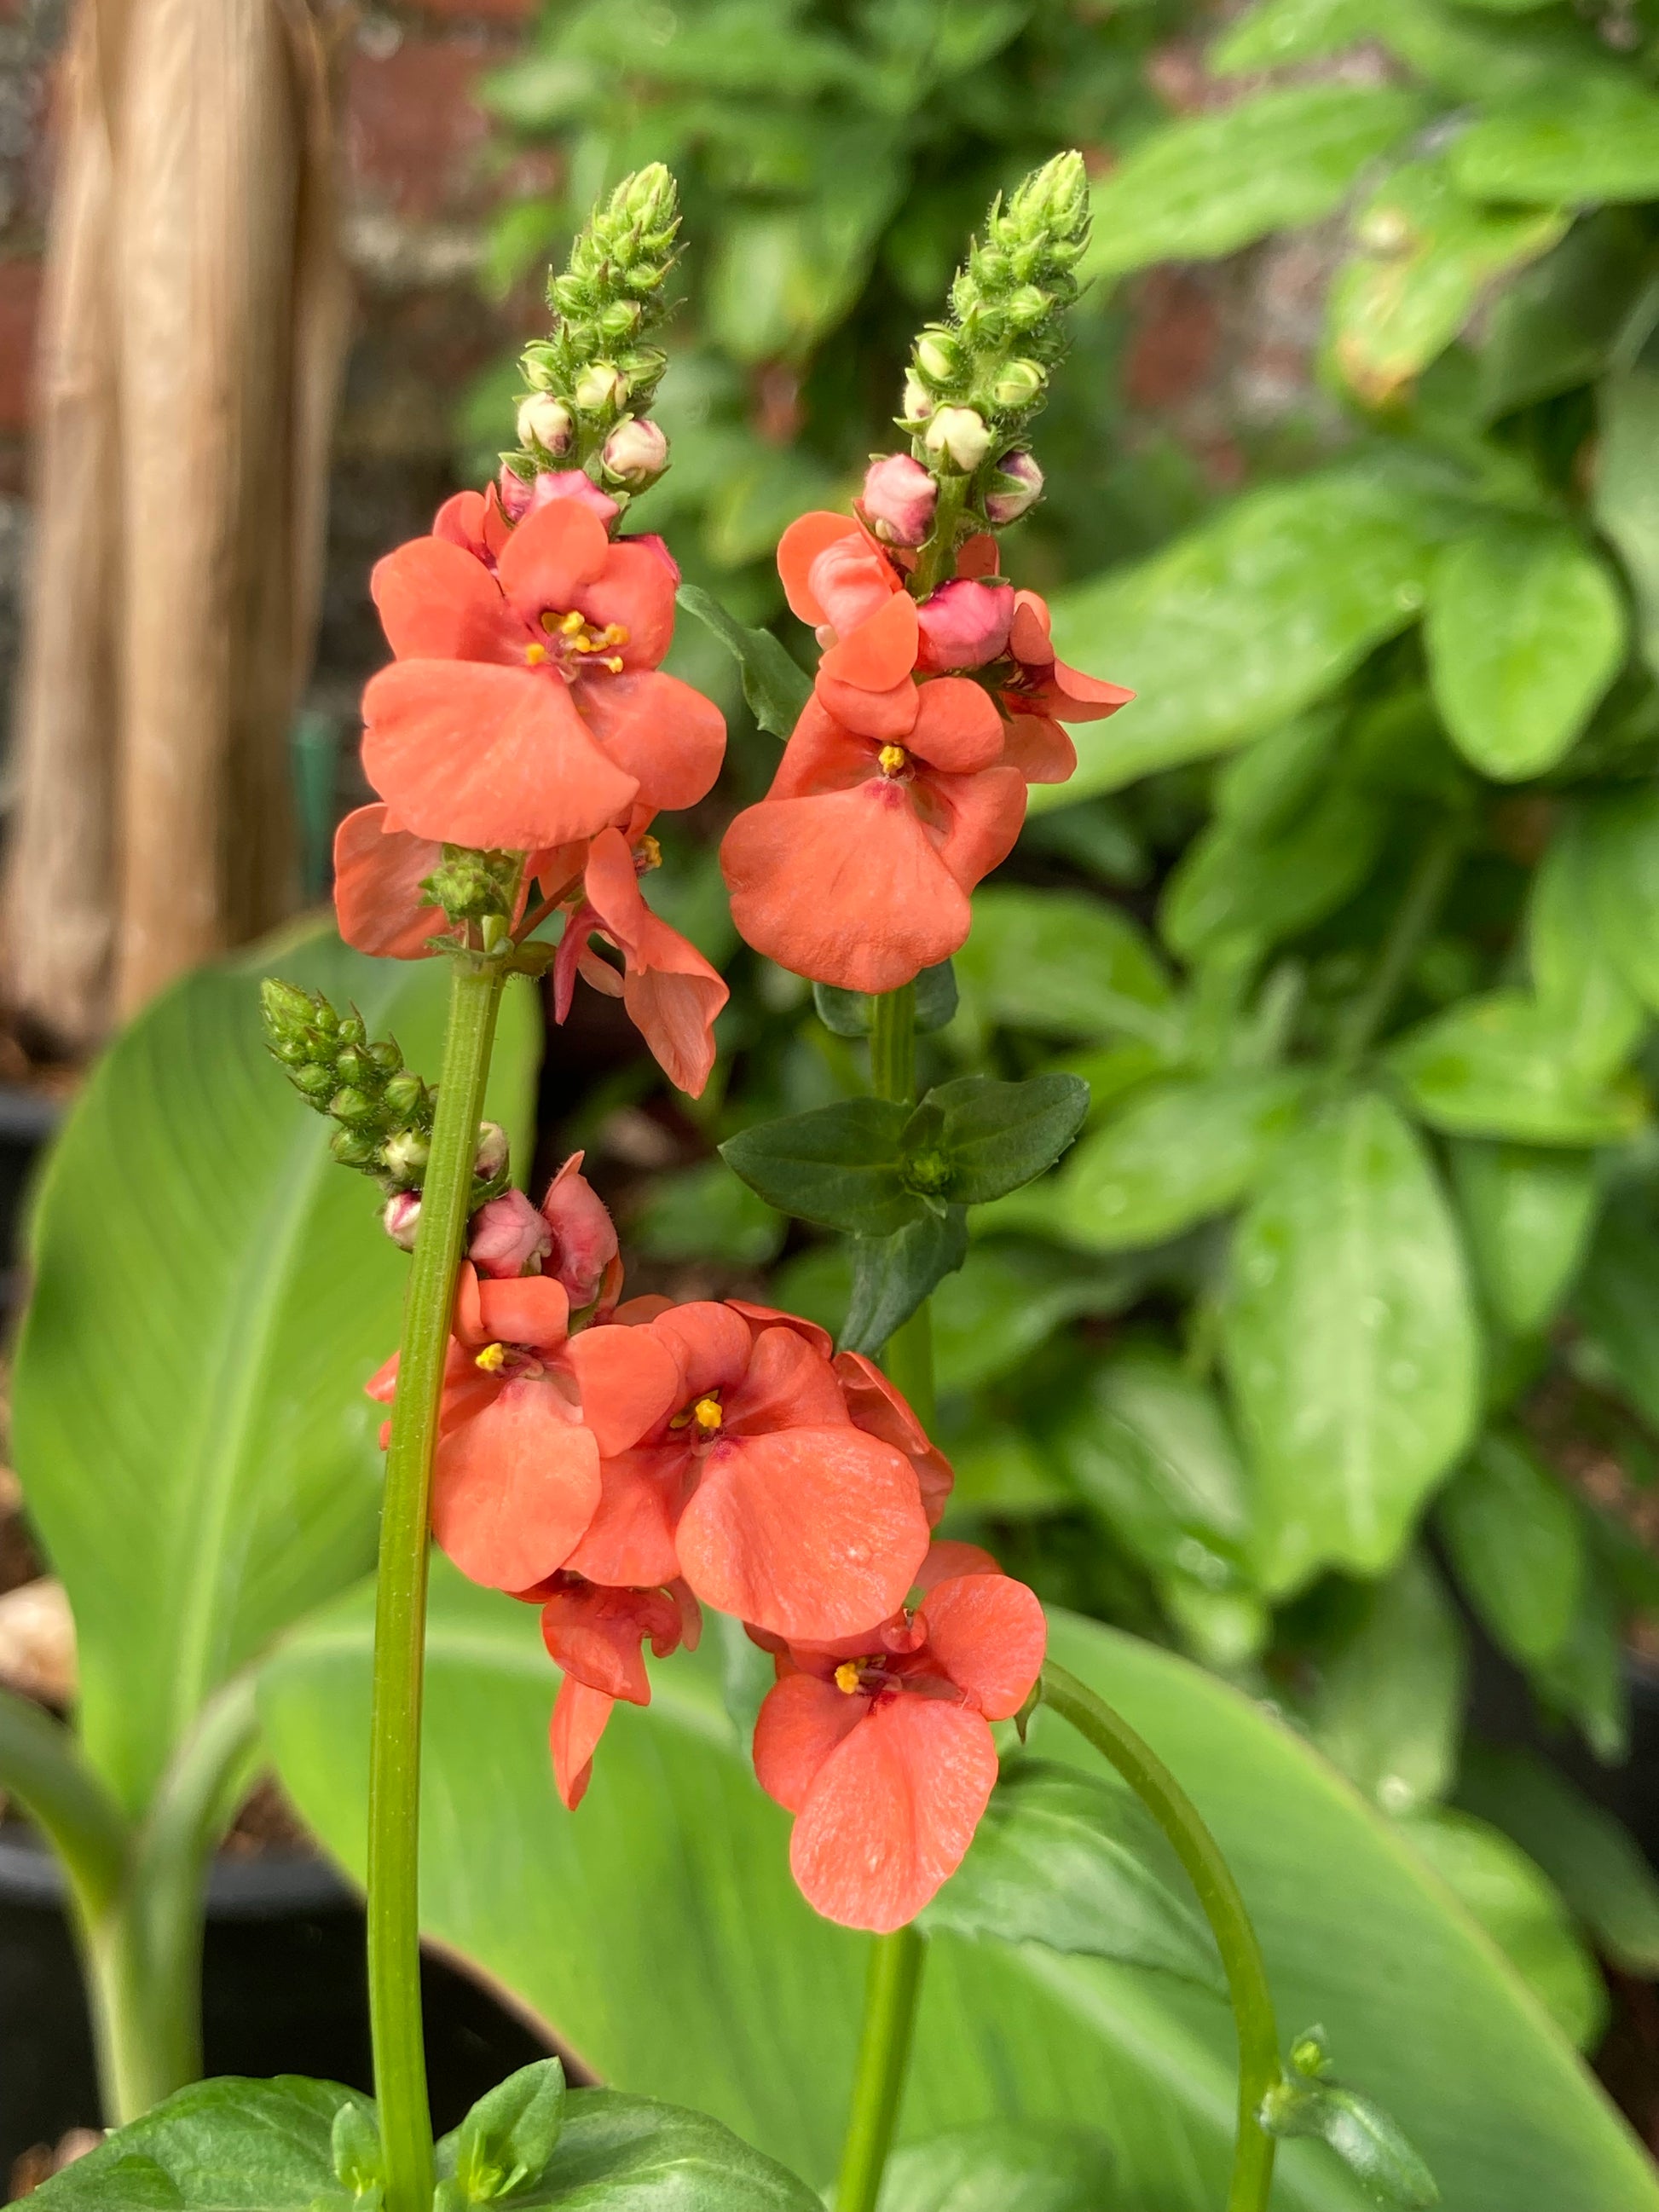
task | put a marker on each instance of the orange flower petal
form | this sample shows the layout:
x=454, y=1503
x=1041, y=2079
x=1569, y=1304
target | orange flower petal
x=878, y=1409
x=811, y=1533
x=532, y=1310
x=958, y=725
x=439, y=603
x=1038, y=748
x=492, y=757
x=630, y=1539
x=879, y=652
x=822, y=755
x=800, y=1723
x=597, y=1635
x=799, y=546
x=763, y=1317
x=892, y=1812
x=671, y=994
x=883, y=715
x=1028, y=637
x=634, y=589
x=378, y=874
x=515, y=1488
x=550, y=556
x=629, y=1380
x=711, y=1343
x=982, y=817
x=978, y=556
x=947, y=1558
x=987, y=1633
x=1075, y=697
x=461, y=519
x=579, y=1719
x=790, y=1384
x=668, y=736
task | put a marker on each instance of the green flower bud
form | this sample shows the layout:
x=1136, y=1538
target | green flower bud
x=600, y=387
x=354, y=1148
x=407, y=1099
x=360, y=1083
x=1019, y=384
x=939, y=357
x=315, y=1084
x=404, y=1157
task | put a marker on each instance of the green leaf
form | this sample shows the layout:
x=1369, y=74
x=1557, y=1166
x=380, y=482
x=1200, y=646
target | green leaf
x=508, y=2136
x=1248, y=619
x=1501, y=1067
x=355, y=2148
x=1001, y=1473
x=1239, y=883
x=837, y=1164
x=990, y=1138
x=774, y=685
x=1526, y=1218
x=1275, y=32
x=1525, y=630
x=1626, y=496
x=1621, y=835
x=1147, y=1446
x=1515, y=1539
x=657, y=1931
x=1177, y=1153
x=1006, y=2166
x=1208, y=183
x=1554, y=327
x=892, y=1274
x=1362, y=2135
x=1066, y=1860
x=1062, y=964
x=1615, y=1301
x=1583, y=139
x=706, y=1213
x=1427, y=253
x=850, y=1013
x=211, y=1293
x=1350, y=1343
x=1590, y=1857
x=224, y=2146
x=1390, y=1701
x=1521, y=1911
x=1576, y=971
x=1585, y=1680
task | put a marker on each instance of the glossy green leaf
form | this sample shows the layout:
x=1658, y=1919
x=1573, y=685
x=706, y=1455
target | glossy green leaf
x=1350, y=1342
x=1594, y=1861
x=849, y=1014
x=1527, y=1217
x=1426, y=253
x=1175, y=1154
x=223, y=2146
x=1587, y=138
x=1001, y=1473
x=1626, y=489
x=211, y=1292
x=1004, y=2167
x=1621, y=835
x=1578, y=978
x=1487, y=62
x=509, y=2134
x=1208, y=183
x=1617, y=1300
x=1501, y=1067
x=1525, y=631
x=975, y=1139
x=1070, y=1861
x=1554, y=326
x=837, y=1164
x=1235, y=881
x=1586, y=1680
x=1389, y=1703
x=892, y=1274
x=775, y=684
x=1521, y=1911
x=1250, y=618
x=658, y=1929
x=1062, y=963
x=708, y=1212
x=1275, y=32
x=1513, y=1536
x=622, y=2153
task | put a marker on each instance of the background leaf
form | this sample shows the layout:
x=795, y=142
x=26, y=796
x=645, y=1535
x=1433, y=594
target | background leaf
x=774, y=685
x=1513, y=1534
x=1526, y=1216
x=1002, y=2167
x=1390, y=1693
x=1589, y=137
x=1063, y=964
x=1503, y=1066
x=1626, y=490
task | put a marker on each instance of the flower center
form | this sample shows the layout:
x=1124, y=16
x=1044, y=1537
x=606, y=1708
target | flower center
x=574, y=637
x=847, y=1677
x=508, y=1359
x=892, y=760
x=705, y=1416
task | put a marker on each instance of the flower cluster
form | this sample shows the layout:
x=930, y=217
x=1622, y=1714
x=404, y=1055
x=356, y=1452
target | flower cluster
x=623, y=1466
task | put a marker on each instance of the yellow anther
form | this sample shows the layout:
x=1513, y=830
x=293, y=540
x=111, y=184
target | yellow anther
x=708, y=1415
x=571, y=623
x=615, y=634
x=535, y=654
x=492, y=1358
x=847, y=1676
x=648, y=854
x=615, y=664
x=891, y=759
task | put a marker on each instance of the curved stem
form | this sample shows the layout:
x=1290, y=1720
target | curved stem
x=43, y=1767
x=890, y=2019
x=394, y=1772
x=1258, y=2069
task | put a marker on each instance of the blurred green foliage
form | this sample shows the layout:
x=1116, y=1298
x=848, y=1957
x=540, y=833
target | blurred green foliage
x=1351, y=922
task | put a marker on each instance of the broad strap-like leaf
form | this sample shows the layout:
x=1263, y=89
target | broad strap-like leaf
x=211, y=1292
x=775, y=684
x=1502, y=1065
x=1004, y=2165
x=1587, y=137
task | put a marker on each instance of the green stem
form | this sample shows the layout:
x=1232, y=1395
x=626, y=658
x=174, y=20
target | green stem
x=889, y=2017
x=394, y=1770
x=937, y=555
x=1258, y=2069
x=1425, y=887
x=43, y=1767
x=908, y=1358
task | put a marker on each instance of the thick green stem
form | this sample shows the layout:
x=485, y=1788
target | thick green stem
x=936, y=557
x=394, y=1772
x=1246, y=1970
x=908, y=1358
x=890, y=2019
x=1425, y=888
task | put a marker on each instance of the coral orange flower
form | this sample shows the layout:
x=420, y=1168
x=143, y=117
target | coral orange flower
x=525, y=708
x=880, y=1745
x=755, y=1485
x=1039, y=693
x=570, y=1236
x=597, y=1636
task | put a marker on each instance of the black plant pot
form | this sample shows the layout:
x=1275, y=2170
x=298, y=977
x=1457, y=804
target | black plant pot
x=282, y=1993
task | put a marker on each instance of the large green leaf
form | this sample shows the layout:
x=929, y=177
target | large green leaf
x=618, y=2153
x=658, y=1929
x=1555, y=327
x=1388, y=1702
x=1617, y=1300
x=1002, y=2167
x=1351, y=1343
x=1621, y=836
x=1501, y=1067
x=1514, y=1538
x=1525, y=631
x=211, y=1292
x=1208, y=184
x=1626, y=494
x=1527, y=1215
x=1586, y=138
x=1064, y=964
x=1247, y=619
x=1237, y=883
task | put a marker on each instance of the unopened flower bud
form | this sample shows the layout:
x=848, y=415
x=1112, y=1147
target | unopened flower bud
x=547, y=423
x=572, y=484
x=918, y=400
x=354, y=1107
x=404, y=1156
x=508, y=1237
x=635, y=453
x=900, y=497
x=315, y=1083
x=490, y=1160
x=404, y=1097
x=600, y=386
x=354, y=1148
x=1017, y=485
x=1018, y=383
x=964, y=624
x=585, y=1253
x=959, y=437
x=400, y=1218
x=619, y=321
x=939, y=357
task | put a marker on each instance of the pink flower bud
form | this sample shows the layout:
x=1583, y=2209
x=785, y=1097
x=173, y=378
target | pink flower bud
x=584, y=1255
x=635, y=453
x=491, y=1155
x=402, y=1217
x=899, y=498
x=508, y=1237
x=964, y=624
x=520, y=498
x=1017, y=485
x=545, y=422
